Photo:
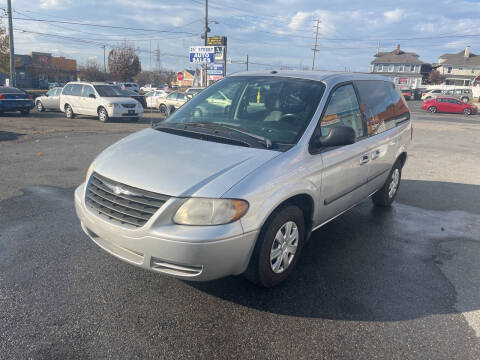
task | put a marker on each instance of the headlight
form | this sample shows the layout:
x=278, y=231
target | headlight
x=204, y=211
x=89, y=172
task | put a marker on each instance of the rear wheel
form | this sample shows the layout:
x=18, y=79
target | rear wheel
x=163, y=109
x=103, y=115
x=40, y=106
x=385, y=196
x=432, y=109
x=467, y=111
x=278, y=247
x=69, y=114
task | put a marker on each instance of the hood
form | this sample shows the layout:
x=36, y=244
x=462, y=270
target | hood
x=178, y=166
x=120, y=100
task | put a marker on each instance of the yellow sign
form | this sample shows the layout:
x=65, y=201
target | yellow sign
x=216, y=41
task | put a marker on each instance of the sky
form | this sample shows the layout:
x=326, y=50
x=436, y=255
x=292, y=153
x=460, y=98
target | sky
x=274, y=34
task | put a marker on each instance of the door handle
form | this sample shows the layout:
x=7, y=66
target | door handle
x=375, y=154
x=364, y=159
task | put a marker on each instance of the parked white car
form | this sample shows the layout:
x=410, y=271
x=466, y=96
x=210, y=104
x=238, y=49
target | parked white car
x=49, y=101
x=154, y=97
x=98, y=99
x=128, y=86
x=150, y=87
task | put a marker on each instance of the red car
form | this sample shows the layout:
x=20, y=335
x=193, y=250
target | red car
x=448, y=105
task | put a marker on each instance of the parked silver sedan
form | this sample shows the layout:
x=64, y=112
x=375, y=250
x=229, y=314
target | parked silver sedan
x=49, y=101
x=208, y=193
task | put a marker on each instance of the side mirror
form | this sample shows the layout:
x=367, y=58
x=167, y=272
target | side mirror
x=170, y=110
x=46, y=95
x=338, y=136
x=92, y=96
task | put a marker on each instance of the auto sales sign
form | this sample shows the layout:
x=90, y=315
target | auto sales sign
x=202, y=54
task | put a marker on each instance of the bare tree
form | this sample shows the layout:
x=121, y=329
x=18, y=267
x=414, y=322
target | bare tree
x=92, y=71
x=123, y=62
x=435, y=78
x=155, y=77
x=4, y=50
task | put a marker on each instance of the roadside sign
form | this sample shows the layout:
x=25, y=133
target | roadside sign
x=217, y=40
x=180, y=76
x=215, y=69
x=202, y=54
x=214, y=77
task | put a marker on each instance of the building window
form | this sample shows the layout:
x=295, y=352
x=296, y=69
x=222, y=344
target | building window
x=460, y=68
x=391, y=68
x=449, y=70
x=467, y=82
x=380, y=67
x=412, y=68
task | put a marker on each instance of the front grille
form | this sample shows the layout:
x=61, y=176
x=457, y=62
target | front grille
x=128, y=106
x=122, y=203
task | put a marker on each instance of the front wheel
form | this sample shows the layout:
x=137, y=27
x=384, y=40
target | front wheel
x=467, y=111
x=432, y=109
x=278, y=247
x=385, y=196
x=103, y=115
x=40, y=106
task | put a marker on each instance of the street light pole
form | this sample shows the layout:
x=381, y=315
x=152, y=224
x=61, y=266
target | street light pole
x=12, y=50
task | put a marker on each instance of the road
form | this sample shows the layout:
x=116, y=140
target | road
x=372, y=284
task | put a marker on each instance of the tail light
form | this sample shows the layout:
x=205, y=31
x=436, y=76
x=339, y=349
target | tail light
x=423, y=94
x=1, y=96
x=30, y=97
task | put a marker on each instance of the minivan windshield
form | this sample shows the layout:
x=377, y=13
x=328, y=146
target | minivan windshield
x=275, y=109
x=110, y=91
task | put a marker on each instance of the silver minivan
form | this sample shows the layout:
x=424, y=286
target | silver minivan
x=237, y=186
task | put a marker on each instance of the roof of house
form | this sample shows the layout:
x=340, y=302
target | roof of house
x=460, y=59
x=397, y=56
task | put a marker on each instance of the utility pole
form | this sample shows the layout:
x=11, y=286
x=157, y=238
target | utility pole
x=378, y=47
x=104, y=62
x=315, y=47
x=205, y=81
x=247, y=62
x=13, y=81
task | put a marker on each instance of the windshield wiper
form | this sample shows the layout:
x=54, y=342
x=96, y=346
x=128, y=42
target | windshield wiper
x=183, y=128
x=266, y=141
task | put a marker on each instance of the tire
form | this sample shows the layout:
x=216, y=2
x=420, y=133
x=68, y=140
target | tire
x=432, y=109
x=467, y=111
x=103, y=115
x=40, y=107
x=24, y=112
x=69, y=114
x=163, y=109
x=386, y=195
x=266, y=271
x=465, y=99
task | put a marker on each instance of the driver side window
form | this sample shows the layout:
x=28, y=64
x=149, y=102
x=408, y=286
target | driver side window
x=343, y=109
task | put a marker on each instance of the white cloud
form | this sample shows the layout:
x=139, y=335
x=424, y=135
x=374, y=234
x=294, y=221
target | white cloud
x=299, y=19
x=393, y=16
x=46, y=4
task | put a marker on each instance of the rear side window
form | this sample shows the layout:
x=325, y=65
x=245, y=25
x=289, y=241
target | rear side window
x=382, y=105
x=172, y=96
x=77, y=90
x=67, y=90
x=87, y=91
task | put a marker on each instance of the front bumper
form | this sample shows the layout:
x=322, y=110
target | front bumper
x=120, y=111
x=185, y=252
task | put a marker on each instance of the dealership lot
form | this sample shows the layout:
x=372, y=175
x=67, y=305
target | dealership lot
x=402, y=283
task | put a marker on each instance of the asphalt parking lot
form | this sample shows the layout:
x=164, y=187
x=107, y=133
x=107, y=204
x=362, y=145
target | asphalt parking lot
x=397, y=284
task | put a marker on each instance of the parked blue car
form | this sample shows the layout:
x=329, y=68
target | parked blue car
x=13, y=99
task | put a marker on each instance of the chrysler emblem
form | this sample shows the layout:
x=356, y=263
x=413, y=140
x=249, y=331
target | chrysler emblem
x=118, y=190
